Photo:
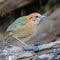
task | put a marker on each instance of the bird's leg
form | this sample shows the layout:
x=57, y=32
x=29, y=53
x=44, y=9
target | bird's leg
x=23, y=43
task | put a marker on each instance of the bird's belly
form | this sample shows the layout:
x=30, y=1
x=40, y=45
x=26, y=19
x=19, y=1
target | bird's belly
x=23, y=33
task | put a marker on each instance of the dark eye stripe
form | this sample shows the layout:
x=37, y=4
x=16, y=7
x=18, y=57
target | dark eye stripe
x=30, y=18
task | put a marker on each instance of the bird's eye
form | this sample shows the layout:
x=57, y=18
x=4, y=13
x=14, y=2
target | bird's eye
x=36, y=16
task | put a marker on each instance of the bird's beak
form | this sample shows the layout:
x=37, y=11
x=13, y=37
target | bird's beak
x=43, y=17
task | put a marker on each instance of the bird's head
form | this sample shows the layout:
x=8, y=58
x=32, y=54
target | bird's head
x=35, y=18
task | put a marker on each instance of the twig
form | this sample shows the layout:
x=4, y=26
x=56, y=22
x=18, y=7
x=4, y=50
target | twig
x=24, y=44
x=48, y=45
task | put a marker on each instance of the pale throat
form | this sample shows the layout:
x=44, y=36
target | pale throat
x=32, y=24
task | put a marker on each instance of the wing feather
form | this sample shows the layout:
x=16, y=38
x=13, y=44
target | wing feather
x=21, y=21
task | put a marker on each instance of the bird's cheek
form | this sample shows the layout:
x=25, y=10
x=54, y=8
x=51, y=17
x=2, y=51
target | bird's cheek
x=36, y=22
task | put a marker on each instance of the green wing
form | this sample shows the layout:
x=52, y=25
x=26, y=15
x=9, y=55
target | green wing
x=21, y=21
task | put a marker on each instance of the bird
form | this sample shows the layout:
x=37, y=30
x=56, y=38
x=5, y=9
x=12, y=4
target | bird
x=24, y=26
